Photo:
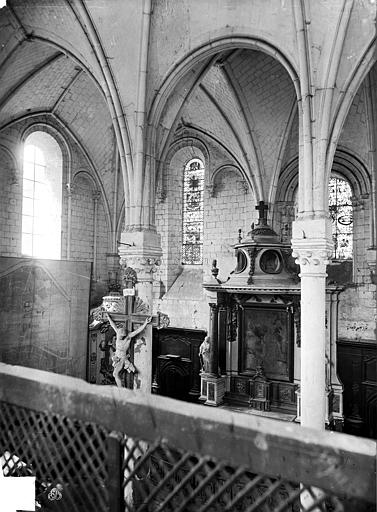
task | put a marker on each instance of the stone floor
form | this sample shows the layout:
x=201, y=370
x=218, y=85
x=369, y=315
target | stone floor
x=268, y=414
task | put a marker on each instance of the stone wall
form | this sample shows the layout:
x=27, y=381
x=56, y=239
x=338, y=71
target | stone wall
x=84, y=246
x=229, y=205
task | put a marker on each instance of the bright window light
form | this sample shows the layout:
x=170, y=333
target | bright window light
x=42, y=197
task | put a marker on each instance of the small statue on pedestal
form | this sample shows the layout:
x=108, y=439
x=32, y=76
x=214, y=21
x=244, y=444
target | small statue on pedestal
x=205, y=354
x=120, y=358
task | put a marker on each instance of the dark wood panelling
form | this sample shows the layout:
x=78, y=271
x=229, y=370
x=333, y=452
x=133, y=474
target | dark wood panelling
x=357, y=369
x=182, y=379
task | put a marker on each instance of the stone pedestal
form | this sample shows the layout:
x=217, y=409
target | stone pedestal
x=212, y=389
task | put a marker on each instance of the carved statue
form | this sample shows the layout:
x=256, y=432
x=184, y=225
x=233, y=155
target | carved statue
x=120, y=358
x=205, y=354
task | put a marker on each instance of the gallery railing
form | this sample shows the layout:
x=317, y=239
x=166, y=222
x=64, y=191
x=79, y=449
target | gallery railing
x=107, y=449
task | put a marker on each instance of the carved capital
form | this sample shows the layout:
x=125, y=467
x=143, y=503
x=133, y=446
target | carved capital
x=214, y=307
x=129, y=276
x=70, y=188
x=114, y=304
x=312, y=260
x=163, y=320
x=312, y=245
x=143, y=266
x=141, y=250
x=211, y=189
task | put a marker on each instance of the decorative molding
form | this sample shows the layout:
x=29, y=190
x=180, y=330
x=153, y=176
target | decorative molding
x=129, y=276
x=114, y=304
x=311, y=257
x=143, y=266
x=252, y=251
x=163, y=320
x=70, y=188
x=232, y=323
x=140, y=307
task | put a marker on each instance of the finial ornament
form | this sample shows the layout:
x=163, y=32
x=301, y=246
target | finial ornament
x=262, y=209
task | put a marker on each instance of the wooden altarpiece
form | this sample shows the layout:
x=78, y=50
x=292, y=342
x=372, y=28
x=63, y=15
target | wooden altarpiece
x=255, y=330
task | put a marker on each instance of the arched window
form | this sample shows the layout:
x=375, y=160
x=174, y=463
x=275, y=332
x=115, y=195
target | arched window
x=193, y=188
x=42, y=197
x=341, y=211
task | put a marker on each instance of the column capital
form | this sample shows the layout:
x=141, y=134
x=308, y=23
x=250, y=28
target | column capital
x=140, y=250
x=144, y=266
x=311, y=258
x=70, y=188
x=312, y=245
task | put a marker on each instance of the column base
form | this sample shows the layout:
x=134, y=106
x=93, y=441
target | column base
x=212, y=389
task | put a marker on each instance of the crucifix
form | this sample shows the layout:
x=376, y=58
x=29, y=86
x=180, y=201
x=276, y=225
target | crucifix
x=128, y=323
x=262, y=209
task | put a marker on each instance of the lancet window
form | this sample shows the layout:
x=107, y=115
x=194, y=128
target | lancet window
x=341, y=211
x=41, y=197
x=193, y=191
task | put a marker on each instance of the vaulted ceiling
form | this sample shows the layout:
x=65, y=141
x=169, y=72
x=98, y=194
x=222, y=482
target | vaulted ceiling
x=37, y=78
x=243, y=99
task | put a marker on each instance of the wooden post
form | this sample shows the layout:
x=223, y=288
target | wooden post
x=114, y=472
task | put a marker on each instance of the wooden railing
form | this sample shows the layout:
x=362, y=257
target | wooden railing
x=96, y=445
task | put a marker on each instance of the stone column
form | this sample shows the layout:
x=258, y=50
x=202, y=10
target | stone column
x=312, y=247
x=96, y=198
x=142, y=252
x=214, y=334
x=336, y=418
x=212, y=384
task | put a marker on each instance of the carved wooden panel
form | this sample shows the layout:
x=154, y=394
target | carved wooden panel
x=357, y=369
x=173, y=376
x=284, y=396
x=184, y=343
x=267, y=341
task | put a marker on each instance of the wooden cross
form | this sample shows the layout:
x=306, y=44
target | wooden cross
x=129, y=318
x=262, y=209
x=134, y=312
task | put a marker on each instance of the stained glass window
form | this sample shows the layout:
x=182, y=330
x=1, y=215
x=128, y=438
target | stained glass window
x=341, y=211
x=193, y=188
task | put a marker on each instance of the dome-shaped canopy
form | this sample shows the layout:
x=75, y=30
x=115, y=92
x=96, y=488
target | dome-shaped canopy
x=262, y=232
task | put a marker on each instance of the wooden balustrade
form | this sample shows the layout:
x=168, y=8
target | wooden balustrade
x=337, y=463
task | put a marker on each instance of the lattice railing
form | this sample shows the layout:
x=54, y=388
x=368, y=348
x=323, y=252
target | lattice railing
x=104, y=449
x=68, y=457
x=164, y=479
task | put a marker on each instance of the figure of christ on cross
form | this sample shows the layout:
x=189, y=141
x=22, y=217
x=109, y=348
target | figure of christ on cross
x=120, y=359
